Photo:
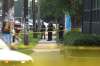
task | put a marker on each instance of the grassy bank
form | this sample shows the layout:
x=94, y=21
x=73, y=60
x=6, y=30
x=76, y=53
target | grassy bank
x=27, y=49
x=32, y=41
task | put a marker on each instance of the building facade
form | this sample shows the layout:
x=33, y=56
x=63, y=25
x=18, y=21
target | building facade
x=91, y=16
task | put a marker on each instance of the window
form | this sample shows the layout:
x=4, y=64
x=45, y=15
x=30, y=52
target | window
x=98, y=3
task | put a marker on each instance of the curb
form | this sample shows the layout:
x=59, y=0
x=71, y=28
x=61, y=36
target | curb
x=83, y=48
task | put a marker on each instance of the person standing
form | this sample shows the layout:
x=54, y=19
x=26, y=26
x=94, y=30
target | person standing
x=50, y=29
x=6, y=32
x=17, y=29
x=61, y=31
x=43, y=29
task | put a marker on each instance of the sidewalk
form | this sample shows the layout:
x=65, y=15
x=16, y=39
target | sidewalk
x=47, y=46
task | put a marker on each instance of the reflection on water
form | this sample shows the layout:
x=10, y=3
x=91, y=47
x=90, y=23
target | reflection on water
x=82, y=57
x=83, y=53
x=68, y=57
x=48, y=59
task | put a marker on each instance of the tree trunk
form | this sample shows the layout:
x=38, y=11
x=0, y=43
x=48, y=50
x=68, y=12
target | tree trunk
x=34, y=19
x=26, y=38
x=78, y=14
x=8, y=9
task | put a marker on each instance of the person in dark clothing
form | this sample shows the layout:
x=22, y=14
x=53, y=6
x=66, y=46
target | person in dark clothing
x=50, y=29
x=17, y=29
x=43, y=28
x=61, y=31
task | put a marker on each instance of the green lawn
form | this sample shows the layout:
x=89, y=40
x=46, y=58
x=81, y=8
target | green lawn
x=32, y=41
x=26, y=51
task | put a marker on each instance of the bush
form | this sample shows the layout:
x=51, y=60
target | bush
x=81, y=39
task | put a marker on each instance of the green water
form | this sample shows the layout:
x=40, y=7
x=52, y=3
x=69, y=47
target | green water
x=69, y=57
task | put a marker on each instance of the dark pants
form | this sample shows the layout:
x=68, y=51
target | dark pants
x=49, y=36
x=14, y=38
x=61, y=33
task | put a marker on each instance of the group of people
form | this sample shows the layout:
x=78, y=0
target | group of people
x=50, y=31
x=10, y=31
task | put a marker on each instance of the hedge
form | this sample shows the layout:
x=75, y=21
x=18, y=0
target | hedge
x=81, y=39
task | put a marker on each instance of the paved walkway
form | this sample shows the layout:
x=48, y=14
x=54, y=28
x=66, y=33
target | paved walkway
x=46, y=46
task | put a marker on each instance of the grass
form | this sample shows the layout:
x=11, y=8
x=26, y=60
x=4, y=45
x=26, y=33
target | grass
x=26, y=51
x=32, y=41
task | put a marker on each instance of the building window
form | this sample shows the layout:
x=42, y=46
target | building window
x=98, y=4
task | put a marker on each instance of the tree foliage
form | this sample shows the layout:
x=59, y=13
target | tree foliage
x=53, y=9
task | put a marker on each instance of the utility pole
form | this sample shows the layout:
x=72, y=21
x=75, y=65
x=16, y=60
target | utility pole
x=26, y=38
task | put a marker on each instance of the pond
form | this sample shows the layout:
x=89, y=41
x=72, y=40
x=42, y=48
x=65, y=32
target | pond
x=68, y=57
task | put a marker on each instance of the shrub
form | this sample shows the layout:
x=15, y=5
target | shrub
x=81, y=39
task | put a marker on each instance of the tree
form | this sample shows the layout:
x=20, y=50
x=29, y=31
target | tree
x=50, y=10
x=25, y=19
x=54, y=9
x=26, y=38
x=8, y=9
x=18, y=10
x=76, y=13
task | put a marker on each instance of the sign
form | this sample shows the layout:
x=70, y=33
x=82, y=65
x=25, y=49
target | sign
x=67, y=23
